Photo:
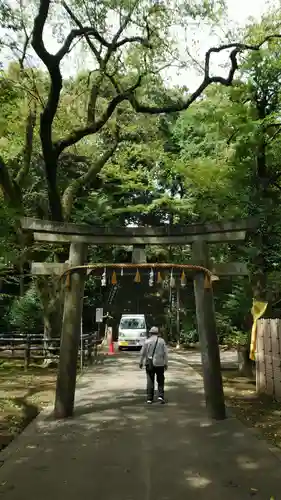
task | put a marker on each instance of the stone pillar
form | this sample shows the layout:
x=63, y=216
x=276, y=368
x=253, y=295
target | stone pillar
x=70, y=335
x=139, y=254
x=206, y=324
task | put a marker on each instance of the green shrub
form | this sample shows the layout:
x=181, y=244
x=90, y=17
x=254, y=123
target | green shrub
x=189, y=336
x=26, y=314
x=227, y=332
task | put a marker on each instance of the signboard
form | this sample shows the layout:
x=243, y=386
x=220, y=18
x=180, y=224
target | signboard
x=99, y=315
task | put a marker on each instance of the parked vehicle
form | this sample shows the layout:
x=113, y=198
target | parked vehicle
x=132, y=331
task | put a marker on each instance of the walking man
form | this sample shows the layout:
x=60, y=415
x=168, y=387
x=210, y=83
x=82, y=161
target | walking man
x=154, y=356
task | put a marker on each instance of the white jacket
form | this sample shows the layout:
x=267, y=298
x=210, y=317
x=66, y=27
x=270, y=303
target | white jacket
x=160, y=357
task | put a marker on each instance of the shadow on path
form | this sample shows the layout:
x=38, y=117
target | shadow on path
x=117, y=448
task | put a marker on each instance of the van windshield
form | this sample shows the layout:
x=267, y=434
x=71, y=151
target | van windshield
x=132, y=324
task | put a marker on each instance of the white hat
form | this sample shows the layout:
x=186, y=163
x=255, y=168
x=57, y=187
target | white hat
x=154, y=329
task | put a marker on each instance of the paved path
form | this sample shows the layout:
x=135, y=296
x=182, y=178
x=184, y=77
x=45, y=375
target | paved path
x=116, y=448
x=229, y=358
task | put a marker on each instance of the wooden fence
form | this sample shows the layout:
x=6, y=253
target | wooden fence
x=268, y=357
x=33, y=348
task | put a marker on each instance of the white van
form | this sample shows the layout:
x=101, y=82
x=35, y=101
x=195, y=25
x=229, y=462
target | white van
x=132, y=331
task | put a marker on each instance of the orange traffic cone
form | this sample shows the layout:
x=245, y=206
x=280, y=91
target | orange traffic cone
x=110, y=341
x=111, y=348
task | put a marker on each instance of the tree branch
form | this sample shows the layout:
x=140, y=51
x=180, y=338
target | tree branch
x=27, y=36
x=5, y=181
x=84, y=31
x=277, y=127
x=51, y=150
x=24, y=50
x=80, y=26
x=277, y=185
x=37, y=36
x=237, y=48
x=11, y=196
x=125, y=23
x=232, y=136
x=27, y=152
x=52, y=63
x=78, y=134
x=112, y=47
x=87, y=179
x=84, y=181
x=38, y=44
x=96, y=85
x=133, y=39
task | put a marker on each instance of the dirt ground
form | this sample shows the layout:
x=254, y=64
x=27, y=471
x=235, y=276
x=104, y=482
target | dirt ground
x=259, y=412
x=22, y=396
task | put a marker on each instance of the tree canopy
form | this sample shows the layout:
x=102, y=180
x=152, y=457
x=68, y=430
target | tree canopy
x=115, y=143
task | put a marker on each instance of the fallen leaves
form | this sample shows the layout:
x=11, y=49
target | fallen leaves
x=22, y=396
x=257, y=411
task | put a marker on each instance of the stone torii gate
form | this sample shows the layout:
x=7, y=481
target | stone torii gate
x=80, y=236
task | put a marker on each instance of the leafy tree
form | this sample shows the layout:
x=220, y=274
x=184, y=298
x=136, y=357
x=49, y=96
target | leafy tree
x=117, y=159
x=227, y=147
x=123, y=64
x=25, y=314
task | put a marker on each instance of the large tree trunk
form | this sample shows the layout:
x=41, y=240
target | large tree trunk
x=51, y=295
x=260, y=240
x=259, y=286
x=51, y=166
x=245, y=364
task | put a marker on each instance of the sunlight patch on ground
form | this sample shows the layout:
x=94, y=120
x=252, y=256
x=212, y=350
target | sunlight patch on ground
x=196, y=480
x=247, y=463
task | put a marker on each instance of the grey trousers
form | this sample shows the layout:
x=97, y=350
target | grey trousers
x=158, y=372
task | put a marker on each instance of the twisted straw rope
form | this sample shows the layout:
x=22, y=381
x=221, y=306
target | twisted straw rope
x=154, y=265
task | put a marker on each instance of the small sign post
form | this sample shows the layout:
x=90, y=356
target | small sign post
x=99, y=315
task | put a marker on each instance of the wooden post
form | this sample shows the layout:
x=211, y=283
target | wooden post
x=206, y=324
x=90, y=351
x=70, y=335
x=95, y=341
x=178, y=316
x=170, y=312
x=27, y=353
x=139, y=254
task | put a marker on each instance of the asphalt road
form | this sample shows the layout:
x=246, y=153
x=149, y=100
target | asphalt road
x=117, y=448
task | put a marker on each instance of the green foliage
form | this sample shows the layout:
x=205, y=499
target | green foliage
x=228, y=333
x=202, y=165
x=9, y=21
x=9, y=251
x=25, y=314
x=5, y=305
